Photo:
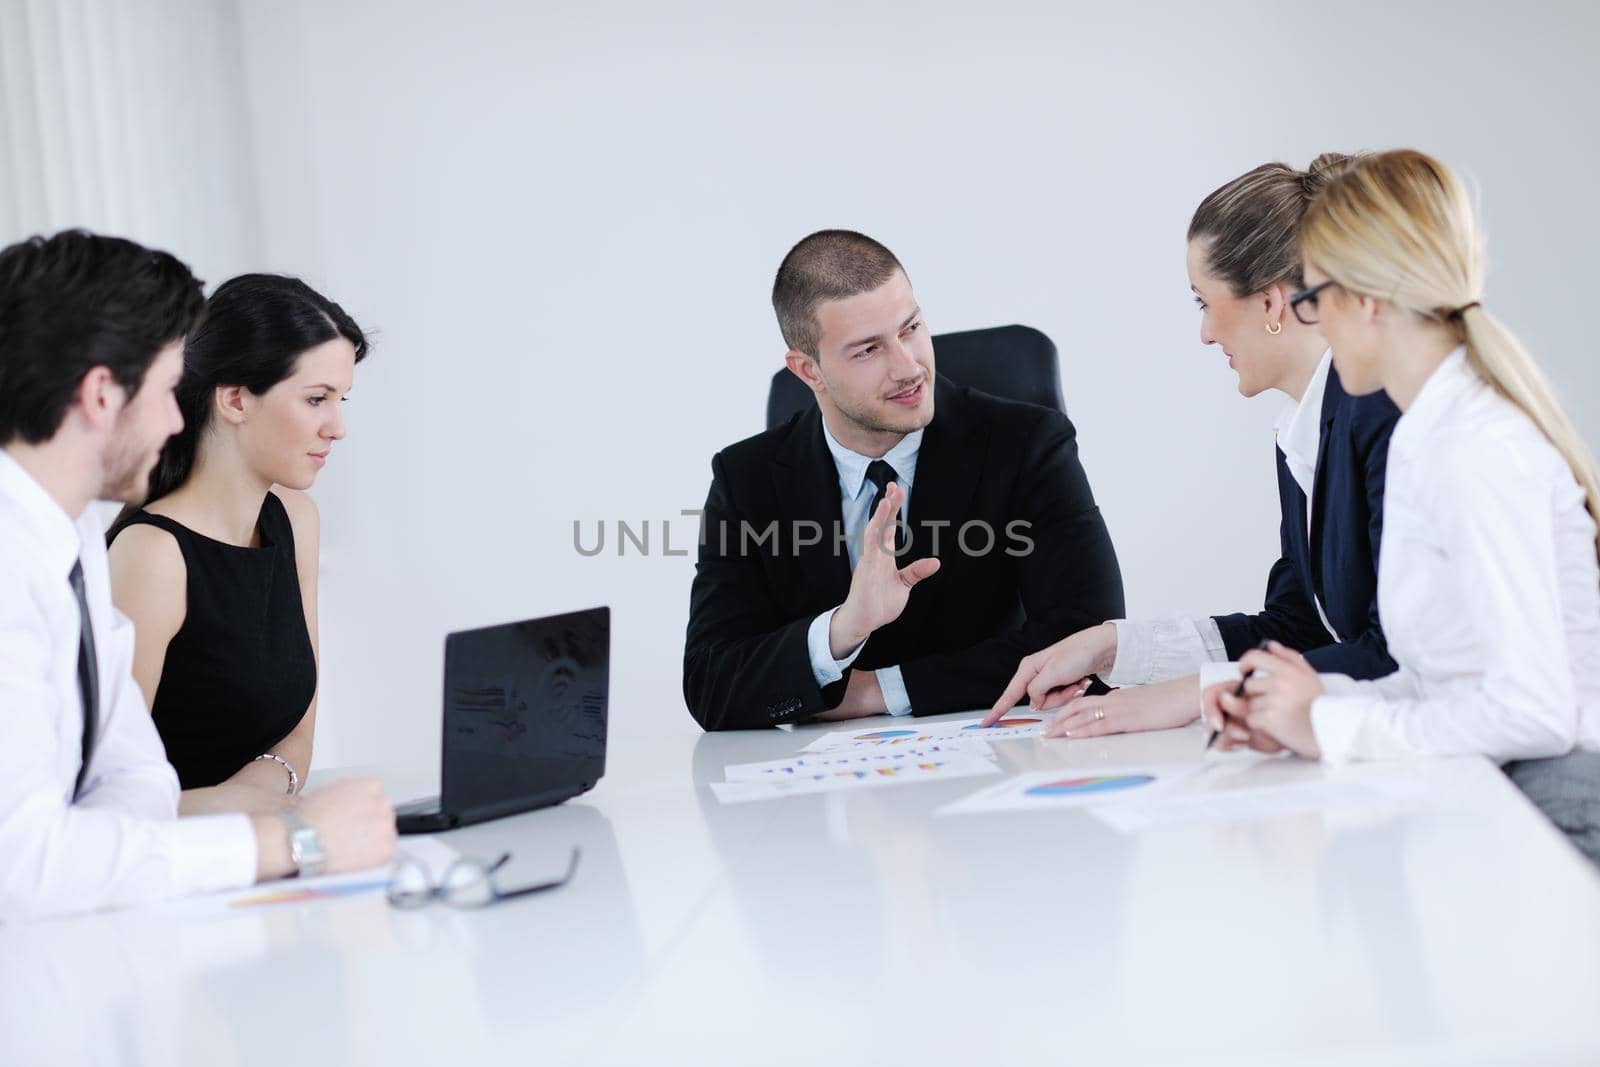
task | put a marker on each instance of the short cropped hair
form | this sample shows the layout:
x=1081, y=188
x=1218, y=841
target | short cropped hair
x=77, y=301
x=828, y=265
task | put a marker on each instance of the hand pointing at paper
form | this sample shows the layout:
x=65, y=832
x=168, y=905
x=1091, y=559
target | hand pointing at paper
x=1053, y=676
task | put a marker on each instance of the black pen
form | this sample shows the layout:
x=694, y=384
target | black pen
x=1239, y=692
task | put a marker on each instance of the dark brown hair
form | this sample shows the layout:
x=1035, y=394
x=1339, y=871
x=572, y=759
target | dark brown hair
x=254, y=329
x=77, y=301
x=1253, y=223
x=828, y=265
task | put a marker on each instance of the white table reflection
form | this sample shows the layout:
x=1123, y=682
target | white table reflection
x=861, y=928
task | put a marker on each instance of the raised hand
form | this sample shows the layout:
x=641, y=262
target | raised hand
x=880, y=587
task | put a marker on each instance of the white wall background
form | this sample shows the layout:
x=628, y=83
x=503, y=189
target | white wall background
x=562, y=221
x=128, y=118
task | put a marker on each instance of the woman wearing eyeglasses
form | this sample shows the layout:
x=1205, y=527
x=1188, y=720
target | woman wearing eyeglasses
x=1244, y=264
x=1489, y=583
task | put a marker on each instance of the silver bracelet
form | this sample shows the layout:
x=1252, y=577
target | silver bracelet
x=294, y=779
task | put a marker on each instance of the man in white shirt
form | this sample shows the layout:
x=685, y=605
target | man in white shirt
x=91, y=335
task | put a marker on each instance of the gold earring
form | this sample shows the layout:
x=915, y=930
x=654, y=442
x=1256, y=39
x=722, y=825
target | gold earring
x=1274, y=328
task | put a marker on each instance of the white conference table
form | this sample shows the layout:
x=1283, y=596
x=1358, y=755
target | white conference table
x=858, y=928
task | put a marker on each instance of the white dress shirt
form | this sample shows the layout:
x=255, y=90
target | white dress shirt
x=1158, y=650
x=121, y=843
x=856, y=492
x=1488, y=588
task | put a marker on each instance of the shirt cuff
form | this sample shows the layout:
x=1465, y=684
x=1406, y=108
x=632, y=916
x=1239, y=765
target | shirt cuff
x=1339, y=685
x=1336, y=723
x=1211, y=637
x=1135, y=641
x=212, y=853
x=1159, y=650
x=824, y=668
x=1212, y=673
x=893, y=686
x=1215, y=674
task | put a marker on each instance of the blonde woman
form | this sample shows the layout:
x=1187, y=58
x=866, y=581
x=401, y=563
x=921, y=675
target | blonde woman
x=1488, y=585
x=1244, y=264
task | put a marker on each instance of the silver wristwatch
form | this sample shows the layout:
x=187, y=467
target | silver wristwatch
x=305, y=848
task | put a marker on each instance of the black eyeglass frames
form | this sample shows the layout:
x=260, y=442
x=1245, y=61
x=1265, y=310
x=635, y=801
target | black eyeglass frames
x=466, y=884
x=1304, y=303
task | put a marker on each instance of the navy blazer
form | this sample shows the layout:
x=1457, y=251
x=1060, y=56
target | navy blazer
x=1340, y=558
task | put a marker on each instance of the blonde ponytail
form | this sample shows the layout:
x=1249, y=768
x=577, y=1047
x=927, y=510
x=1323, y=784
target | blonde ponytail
x=1399, y=226
x=1500, y=359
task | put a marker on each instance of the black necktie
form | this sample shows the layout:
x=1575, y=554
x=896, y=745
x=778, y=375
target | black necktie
x=88, y=676
x=881, y=474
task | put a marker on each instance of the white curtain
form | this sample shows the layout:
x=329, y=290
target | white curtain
x=129, y=117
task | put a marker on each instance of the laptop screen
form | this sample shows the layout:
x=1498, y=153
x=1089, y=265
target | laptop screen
x=525, y=709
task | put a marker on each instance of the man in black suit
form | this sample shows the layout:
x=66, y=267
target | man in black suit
x=899, y=547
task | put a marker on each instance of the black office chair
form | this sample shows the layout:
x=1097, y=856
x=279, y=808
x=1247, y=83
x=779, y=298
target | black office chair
x=1015, y=362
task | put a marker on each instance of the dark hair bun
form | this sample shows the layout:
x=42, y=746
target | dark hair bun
x=1323, y=170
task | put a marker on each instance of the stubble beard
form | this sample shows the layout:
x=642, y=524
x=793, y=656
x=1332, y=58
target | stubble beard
x=126, y=474
x=910, y=425
x=876, y=422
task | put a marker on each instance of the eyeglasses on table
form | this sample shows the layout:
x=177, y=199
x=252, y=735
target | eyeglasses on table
x=467, y=883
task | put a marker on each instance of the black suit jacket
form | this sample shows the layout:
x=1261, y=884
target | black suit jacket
x=1339, y=558
x=745, y=660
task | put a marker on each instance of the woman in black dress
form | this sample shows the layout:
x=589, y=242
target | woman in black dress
x=218, y=569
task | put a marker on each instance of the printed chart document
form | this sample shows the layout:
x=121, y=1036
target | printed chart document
x=1076, y=787
x=911, y=734
x=805, y=765
x=866, y=776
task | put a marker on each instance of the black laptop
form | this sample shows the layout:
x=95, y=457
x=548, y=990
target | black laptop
x=524, y=719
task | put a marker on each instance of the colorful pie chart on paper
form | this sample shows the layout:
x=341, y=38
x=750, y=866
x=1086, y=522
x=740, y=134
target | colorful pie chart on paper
x=1003, y=723
x=1104, y=783
x=885, y=735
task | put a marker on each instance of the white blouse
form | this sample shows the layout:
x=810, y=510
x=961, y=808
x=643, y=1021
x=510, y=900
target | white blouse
x=1488, y=589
